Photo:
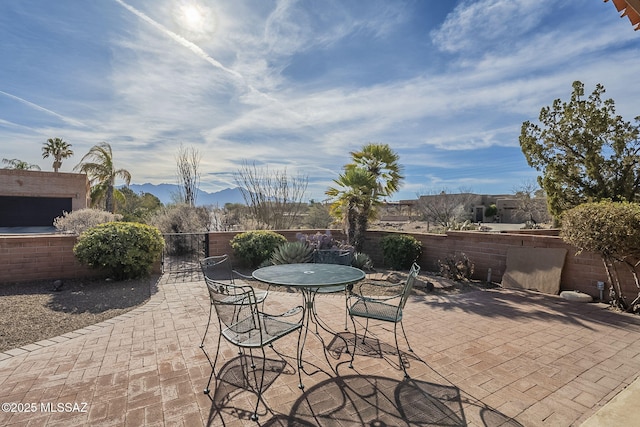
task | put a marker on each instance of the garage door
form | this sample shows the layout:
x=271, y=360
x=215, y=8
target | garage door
x=31, y=211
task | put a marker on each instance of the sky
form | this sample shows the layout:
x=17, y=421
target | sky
x=296, y=86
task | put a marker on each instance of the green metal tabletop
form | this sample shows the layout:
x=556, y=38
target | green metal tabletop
x=309, y=275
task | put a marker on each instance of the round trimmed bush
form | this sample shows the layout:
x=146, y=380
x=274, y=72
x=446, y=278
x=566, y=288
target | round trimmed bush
x=255, y=247
x=126, y=250
x=400, y=251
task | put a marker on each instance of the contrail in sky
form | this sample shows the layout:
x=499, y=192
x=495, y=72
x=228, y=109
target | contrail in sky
x=39, y=108
x=184, y=42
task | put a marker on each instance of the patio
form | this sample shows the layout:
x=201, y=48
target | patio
x=482, y=358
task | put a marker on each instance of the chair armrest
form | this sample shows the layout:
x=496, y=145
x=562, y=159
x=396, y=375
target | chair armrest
x=360, y=295
x=291, y=312
x=242, y=276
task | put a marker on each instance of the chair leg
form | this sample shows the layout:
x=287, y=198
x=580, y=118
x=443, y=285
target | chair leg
x=254, y=416
x=405, y=337
x=207, y=329
x=401, y=362
x=355, y=342
x=213, y=366
x=299, y=359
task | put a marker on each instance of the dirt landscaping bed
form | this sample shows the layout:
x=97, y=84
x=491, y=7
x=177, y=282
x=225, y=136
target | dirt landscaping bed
x=33, y=311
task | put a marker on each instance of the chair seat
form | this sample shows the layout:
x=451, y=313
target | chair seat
x=245, y=333
x=376, y=310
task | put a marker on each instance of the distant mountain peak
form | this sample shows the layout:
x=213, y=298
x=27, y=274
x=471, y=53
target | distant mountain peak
x=166, y=192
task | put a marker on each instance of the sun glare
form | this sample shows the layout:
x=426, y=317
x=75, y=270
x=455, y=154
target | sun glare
x=192, y=16
x=195, y=20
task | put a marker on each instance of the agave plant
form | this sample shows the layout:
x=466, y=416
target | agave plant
x=362, y=261
x=292, y=253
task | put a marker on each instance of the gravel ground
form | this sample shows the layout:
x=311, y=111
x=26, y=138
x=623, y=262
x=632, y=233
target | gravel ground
x=33, y=311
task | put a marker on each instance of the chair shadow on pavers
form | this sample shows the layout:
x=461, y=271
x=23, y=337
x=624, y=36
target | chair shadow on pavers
x=375, y=400
x=371, y=347
x=235, y=381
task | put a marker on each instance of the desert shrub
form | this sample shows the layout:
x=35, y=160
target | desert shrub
x=255, y=247
x=322, y=241
x=362, y=261
x=457, y=267
x=78, y=221
x=181, y=218
x=125, y=250
x=292, y=253
x=400, y=251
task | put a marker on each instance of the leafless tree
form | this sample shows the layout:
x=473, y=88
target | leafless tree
x=532, y=205
x=273, y=197
x=188, y=163
x=445, y=208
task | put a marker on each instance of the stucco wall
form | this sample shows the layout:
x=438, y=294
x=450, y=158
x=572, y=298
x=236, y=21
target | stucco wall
x=24, y=258
x=27, y=183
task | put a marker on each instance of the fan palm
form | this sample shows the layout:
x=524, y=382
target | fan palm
x=381, y=161
x=99, y=167
x=373, y=174
x=353, y=198
x=58, y=149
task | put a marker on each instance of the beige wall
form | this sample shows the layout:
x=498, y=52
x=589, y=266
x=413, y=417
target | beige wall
x=27, y=183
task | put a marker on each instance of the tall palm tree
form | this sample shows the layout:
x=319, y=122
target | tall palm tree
x=98, y=165
x=373, y=174
x=58, y=149
x=19, y=164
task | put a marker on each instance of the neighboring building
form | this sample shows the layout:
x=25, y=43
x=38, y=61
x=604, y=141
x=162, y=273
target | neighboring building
x=630, y=9
x=510, y=208
x=35, y=198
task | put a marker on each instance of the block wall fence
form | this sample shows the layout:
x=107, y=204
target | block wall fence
x=43, y=257
x=486, y=250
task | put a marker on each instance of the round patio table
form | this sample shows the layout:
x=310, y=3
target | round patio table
x=309, y=276
x=309, y=279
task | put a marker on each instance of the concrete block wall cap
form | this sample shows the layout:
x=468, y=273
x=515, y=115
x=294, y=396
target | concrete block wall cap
x=576, y=296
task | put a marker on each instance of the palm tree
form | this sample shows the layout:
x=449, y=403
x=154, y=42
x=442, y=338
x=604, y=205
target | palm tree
x=381, y=161
x=19, y=164
x=98, y=165
x=352, y=199
x=58, y=149
x=373, y=174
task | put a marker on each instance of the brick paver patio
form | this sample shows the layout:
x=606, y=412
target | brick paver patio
x=483, y=358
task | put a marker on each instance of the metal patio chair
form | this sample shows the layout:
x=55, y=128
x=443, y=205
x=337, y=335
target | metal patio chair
x=385, y=309
x=242, y=324
x=335, y=256
x=218, y=268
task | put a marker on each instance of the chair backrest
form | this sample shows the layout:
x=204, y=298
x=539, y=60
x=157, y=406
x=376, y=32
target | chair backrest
x=411, y=279
x=235, y=307
x=217, y=268
x=332, y=256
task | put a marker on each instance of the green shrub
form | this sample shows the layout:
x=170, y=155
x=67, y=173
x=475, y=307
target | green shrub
x=400, y=251
x=126, y=250
x=491, y=210
x=255, y=247
x=292, y=253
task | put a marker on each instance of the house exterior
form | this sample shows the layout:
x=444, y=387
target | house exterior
x=35, y=198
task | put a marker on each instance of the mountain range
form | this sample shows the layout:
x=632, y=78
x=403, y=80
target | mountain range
x=166, y=192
